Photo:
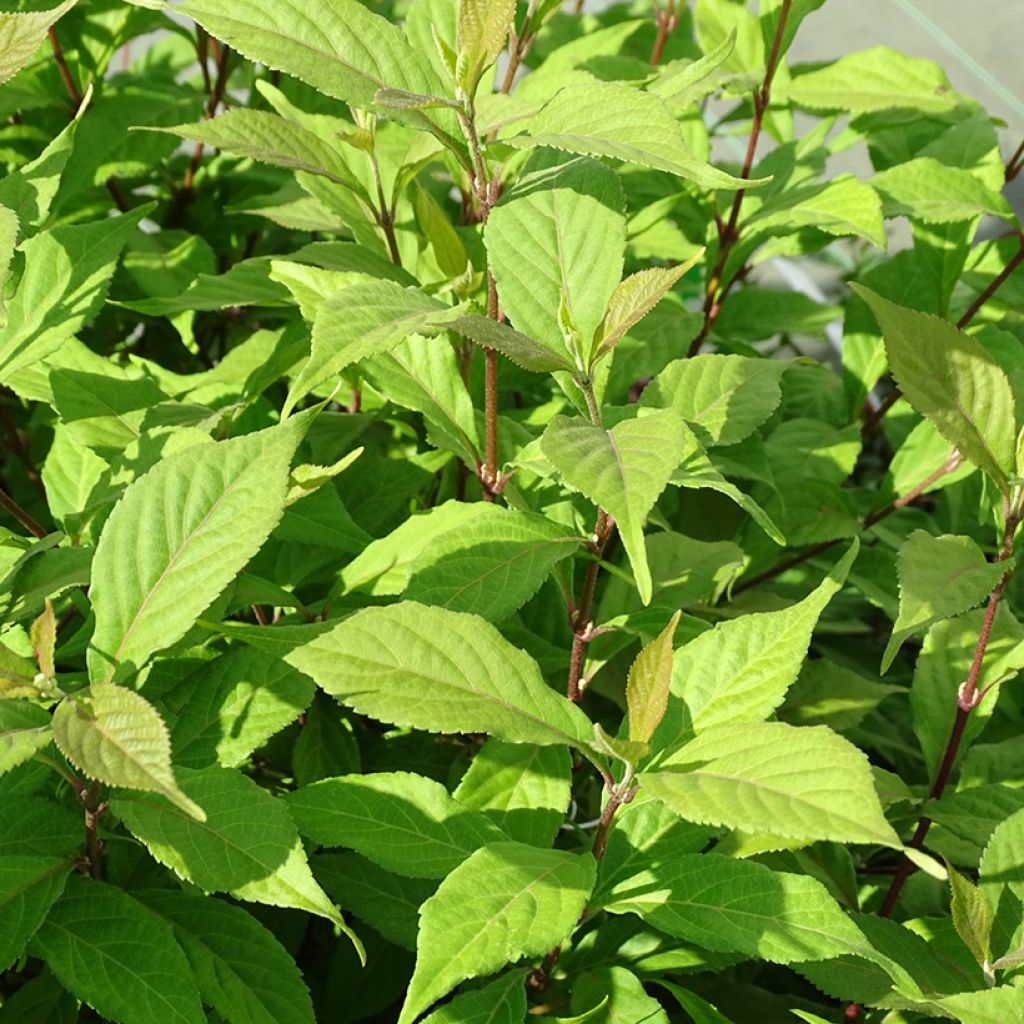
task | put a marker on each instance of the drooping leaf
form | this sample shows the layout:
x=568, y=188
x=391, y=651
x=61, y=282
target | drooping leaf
x=939, y=577
x=402, y=821
x=145, y=975
x=800, y=782
x=740, y=670
x=21, y=34
x=950, y=378
x=179, y=536
x=441, y=671
x=242, y=970
x=622, y=470
x=504, y=902
x=247, y=846
x=117, y=737
x=29, y=886
x=614, y=120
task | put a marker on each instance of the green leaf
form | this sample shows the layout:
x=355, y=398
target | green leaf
x=607, y=995
x=24, y=731
x=501, y=1002
x=145, y=976
x=632, y=300
x=557, y=238
x=614, y=120
x=8, y=239
x=939, y=577
x=722, y=398
x=29, y=886
x=21, y=34
x=482, y=28
x=948, y=377
x=933, y=192
x=492, y=565
x=362, y=320
x=178, y=536
x=117, y=737
x=740, y=670
x=521, y=349
x=523, y=788
x=739, y=906
x=404, y=822
x=67, y=273
x=440, y=671
x=699, y=1009
x=337, y=46
x=622, y=470
x=271, y=139
x=1003, y=1005
x=243, y=972
x=248, y=844
x=796, y=782
x=17, y=675
x=504, y=902
x=871, y=80
x=971, y=917
x=647, y=685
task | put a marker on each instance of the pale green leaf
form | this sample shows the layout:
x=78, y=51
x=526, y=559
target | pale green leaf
x=723, y=398
x=67, y=273
x=145, y=976
x=647, y=686
x=948, y=377
x=972, y=917
x=501, y=1002
x=939, y=577
x=242, y=970
x=608, y=995
x=632, y=300
x=8, y=239
x=871, y=80
x=440, y=671
x=17, y=674
x=795, y=782
x=178, y=536
x=504, y=902
x=24, y=731
x=739, y=906
x=482, y=28
x=404, y=822
x=682, y=83
x=337, y=46
x=622, y=470
x=248, y=844
x=523, y=788
x=1003, y=1005
x=28, y=888
x=558, y=238
x=740, y=670
x=614, y=120
x=117, y=737
x=362, y=320
x=513, y=344
x=1002, y=862
x=21, y=34
x=699, y=1009
x=933, y=192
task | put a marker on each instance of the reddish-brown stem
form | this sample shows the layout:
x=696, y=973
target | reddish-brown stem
x=1015, y=163
x=729, y=235
x=92, y=802
x=967, y=699
x=667, y=19
x=10, y=505
x=19, y=446
x=870, y=520
x=65, y=71
x=215, y=100
x=874, y=418
x=603, y=530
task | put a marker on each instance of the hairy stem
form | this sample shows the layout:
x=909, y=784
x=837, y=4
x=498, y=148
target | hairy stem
x=967, y=699
x=8, y=504
x=729, y=232
x=666, y=19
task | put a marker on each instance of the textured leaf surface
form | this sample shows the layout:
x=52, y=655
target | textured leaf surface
x=740, y=670
x=799, y=782
x=24, y=730
x=28, y=888
x=557, y=240
x=939, y=577
x=722, y=398
x=501, y=1002
x=22, y=34
x=647, y=685
x=429, y=668
x=178, y=536
x=482, y=28
x=936, y=193
x=614, y=120
x=622, y=470
x=523, y=350
x=242, y=970
x=949, y=378
x=523, y=788
x=505, y=902
x=116, y=736
x=247, y=846
x=118, y=957
x=404, y=822
x=67, y=273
